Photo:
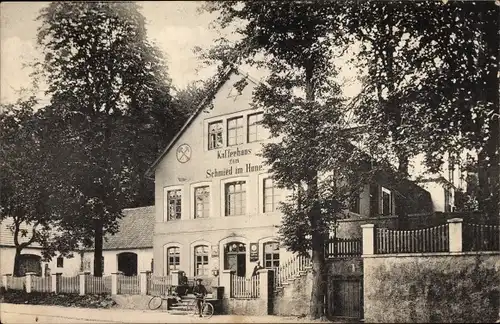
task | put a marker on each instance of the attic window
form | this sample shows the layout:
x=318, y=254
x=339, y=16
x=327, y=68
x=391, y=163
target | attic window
x=215, y=135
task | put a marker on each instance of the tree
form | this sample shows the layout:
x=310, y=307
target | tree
x=23, y=195
x=303, y=107
x=431, y=87
x=110, y=113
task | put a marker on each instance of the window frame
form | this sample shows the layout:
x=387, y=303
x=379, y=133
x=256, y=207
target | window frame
x=194, y=203
x=203, y=255
x=274, y=195
x=383, y=191
x=60, y=262
x=225, y=196
x=356, y=208
x=272, y=259
x=209, y=133
x=167, y=256
x=237, y=129
x=166, y=203
x=259, y=134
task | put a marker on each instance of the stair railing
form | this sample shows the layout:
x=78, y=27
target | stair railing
x=290, y=268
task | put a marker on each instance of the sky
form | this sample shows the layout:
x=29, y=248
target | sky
x=175, y=26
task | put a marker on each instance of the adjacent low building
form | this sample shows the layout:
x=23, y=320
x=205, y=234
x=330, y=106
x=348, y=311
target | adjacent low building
x=130, y=250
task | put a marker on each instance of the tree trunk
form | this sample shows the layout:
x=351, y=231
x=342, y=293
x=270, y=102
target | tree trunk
x=17, y=263
x=98, y=239
x=491, y=27
x=317, y=308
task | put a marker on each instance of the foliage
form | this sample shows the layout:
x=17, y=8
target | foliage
x=24, y=195
x=61, y=299
x=431, y=82
x=110, y=113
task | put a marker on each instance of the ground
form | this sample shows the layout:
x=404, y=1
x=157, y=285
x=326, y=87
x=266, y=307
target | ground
x=15, y=313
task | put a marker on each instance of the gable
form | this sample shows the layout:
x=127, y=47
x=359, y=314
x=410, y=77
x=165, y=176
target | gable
x=226, y=103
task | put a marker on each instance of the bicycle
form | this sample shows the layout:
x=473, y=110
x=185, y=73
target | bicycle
x=156, y=301
x=207, y=309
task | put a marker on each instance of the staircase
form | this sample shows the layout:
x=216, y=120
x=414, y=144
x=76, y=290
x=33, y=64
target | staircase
x=294, y=268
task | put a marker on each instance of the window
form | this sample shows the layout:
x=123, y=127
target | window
x=215, y=131
x=202, y=202
x=60, y=262
x=255, y=128
x=271, y=255
x=235, y=194
x=386, y=202
x=235, y=131
x=270, y=197
x=201, y=260
x=173, y=259
x=174, y=199
x=354, y=204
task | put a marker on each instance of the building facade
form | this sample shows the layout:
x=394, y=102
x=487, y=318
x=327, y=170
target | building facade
x=216, y=203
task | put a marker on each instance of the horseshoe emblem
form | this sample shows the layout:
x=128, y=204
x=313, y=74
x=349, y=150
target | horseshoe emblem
x=183, y=153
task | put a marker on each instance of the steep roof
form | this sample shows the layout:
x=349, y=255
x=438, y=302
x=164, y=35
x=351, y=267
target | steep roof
x=135, y=230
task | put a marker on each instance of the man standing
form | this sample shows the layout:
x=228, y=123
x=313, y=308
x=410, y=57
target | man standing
x=256, y=269
x=200, y=292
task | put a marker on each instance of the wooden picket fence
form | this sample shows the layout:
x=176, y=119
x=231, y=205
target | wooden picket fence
x=129, y=285
x=432, y=239
x=242, y=287
x=41, y=284
x=290, y=268
x=16, y=283
x=343, y=247
x=476, y=237
x=69, y=285
x=98, y=285
x=159, y=285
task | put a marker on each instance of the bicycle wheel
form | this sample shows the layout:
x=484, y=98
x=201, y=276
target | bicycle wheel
x=155, y=302
x=208, y=310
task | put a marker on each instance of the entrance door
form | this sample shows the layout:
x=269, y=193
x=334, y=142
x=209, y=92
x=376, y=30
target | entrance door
x=345, y=297
x=235, y=258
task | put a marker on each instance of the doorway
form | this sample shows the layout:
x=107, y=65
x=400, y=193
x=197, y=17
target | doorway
x=127, y=263
x=235, y=258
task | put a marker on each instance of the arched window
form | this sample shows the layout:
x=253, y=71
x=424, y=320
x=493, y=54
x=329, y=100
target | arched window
x=173, y=258
x=271, y=255
x=201, y=260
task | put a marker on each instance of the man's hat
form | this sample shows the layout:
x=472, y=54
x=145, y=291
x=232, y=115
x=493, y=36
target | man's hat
x=199, y=279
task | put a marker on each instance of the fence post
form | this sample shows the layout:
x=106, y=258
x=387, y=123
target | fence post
x=114, y=283
x=368, y=239
x=225, y=281
x=144, y=282
x=455, y=234
x=29, y=281
x=175, y=277
x=5, y=281
x=56, y=281
x=83, y=279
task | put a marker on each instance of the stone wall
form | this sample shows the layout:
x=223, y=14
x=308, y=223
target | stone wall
x=250, y=307
x=462, y=287
x=294, y=299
